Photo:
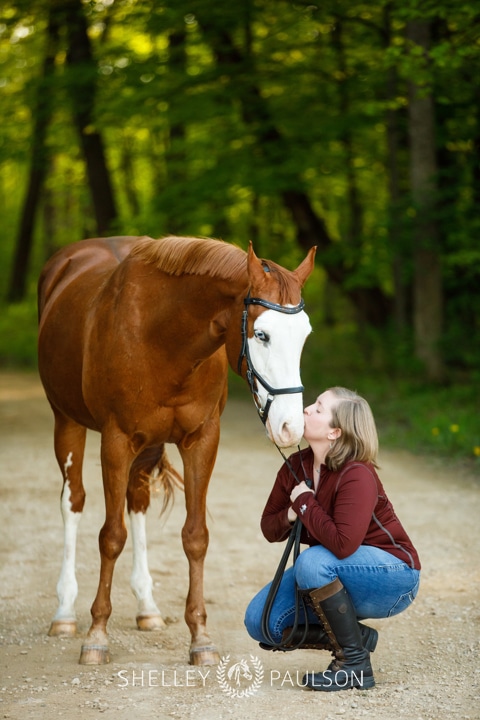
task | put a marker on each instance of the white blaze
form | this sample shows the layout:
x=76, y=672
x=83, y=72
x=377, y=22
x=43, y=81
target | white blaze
x=277, y=360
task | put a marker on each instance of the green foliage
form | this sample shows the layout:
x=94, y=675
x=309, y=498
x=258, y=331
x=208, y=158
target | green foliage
x=211, y=112
x=18, y=335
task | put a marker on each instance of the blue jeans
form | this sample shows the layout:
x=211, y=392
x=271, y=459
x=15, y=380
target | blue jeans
x=379, y=584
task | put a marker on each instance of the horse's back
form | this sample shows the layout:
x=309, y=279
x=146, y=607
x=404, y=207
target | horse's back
x=92, y=257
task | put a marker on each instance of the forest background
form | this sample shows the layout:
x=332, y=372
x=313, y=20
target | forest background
x=348, y=125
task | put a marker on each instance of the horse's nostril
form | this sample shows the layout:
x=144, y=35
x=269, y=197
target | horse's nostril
x=286, y=433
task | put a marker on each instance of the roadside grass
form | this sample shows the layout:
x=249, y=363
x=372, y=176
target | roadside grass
x=444, y=421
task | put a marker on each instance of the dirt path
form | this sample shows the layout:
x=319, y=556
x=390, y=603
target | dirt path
x=426, y=662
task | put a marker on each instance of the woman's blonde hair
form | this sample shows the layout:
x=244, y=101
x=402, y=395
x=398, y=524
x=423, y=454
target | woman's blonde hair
x=359, y=439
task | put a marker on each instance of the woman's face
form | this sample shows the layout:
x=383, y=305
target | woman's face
x=318, y=418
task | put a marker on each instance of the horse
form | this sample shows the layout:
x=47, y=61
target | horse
x=135, y=338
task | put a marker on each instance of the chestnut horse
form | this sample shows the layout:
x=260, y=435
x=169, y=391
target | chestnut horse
x=135, y=338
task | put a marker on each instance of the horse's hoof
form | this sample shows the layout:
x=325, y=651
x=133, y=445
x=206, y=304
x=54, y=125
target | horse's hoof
x=150, y=622
x=63, y=628
x=94, y=655
x=204, y=656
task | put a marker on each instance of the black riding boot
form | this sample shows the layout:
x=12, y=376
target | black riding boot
x=351, y=665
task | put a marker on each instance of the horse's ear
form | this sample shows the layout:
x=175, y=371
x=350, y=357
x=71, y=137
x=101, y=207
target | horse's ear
x=256, y=272
x=306, y=266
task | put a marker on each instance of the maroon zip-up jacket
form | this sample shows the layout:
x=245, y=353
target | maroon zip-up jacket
x=349, y=509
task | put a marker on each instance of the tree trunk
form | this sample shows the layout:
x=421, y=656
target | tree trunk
x=82, y=86
x=128, y=174
x=395, y=139
x=354, y=222
x=395, y=232
x=175, y=152
x=38, y=167
x=428, y=287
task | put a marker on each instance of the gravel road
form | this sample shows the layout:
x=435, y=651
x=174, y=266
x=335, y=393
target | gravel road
x=427, y=660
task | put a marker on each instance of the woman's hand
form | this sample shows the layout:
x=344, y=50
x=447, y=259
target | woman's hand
x=299, y=489
x=291, y=515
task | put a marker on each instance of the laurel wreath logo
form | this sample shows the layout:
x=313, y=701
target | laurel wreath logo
x=238, y=671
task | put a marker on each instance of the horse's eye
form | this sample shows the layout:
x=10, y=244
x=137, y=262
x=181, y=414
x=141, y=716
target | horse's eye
x=262, y=336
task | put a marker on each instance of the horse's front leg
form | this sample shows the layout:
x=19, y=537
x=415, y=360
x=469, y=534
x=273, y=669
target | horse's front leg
x=116, y=457
x=198, y=461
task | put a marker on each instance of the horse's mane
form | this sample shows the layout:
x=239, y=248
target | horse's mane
x=205, y=256
x=193, y=256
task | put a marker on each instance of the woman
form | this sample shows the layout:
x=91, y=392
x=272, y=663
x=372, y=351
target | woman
x=360, y=562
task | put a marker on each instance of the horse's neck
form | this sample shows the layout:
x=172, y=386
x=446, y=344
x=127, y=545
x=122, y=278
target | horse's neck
x=197, y=306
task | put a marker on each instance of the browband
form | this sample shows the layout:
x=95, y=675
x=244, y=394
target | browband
x=289, y=310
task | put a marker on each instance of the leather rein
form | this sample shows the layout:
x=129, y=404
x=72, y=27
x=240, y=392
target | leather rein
x=293, y=544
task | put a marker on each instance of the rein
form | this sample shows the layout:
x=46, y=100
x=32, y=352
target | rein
x=293, y=543
x=252, y=375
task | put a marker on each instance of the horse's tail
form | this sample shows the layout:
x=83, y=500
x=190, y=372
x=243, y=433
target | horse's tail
x=167, y=478
x=153, y=467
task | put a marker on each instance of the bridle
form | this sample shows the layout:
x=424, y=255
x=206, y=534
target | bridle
x=294, y=540
x=252, y=375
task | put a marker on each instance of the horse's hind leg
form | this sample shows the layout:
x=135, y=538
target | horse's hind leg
x=69, y=451
x=138, y=500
